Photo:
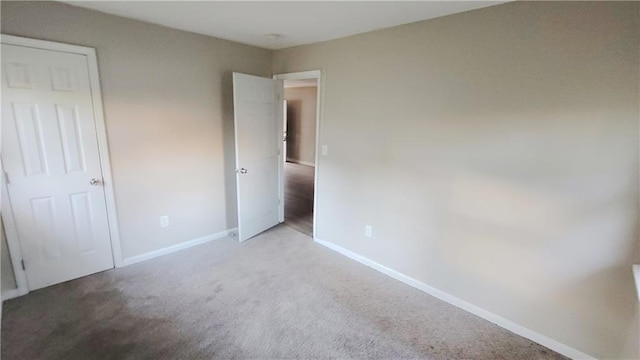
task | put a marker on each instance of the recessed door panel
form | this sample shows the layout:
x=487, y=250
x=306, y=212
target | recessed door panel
x=29, y=131
x=61, y=78
x=18, y=75
x=69, y=127
x=82, y=221
x=43, y=212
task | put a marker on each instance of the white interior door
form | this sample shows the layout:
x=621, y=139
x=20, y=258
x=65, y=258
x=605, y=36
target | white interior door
x=50, y=154
x=258, y=110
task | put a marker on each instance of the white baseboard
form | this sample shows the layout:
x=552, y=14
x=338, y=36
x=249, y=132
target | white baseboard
x=178, y=247
x=446, y=297
x=10, y=294
x=301, y=162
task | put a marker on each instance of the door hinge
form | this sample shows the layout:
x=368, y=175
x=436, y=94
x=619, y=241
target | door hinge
x=22, y=263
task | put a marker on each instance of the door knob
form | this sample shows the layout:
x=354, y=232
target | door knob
x=94, y=182
x=242, y=171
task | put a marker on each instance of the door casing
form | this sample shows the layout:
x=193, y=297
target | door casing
x=313, y=74
x=13, y=241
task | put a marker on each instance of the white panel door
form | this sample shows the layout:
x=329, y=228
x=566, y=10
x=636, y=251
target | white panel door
x=257, y=104
x=50, y=154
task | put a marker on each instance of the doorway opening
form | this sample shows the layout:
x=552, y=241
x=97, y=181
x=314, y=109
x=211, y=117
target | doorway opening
x=298, y=181
x=299, y=152
x=261, y=151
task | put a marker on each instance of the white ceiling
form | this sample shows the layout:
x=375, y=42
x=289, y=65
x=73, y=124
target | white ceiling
x=300, y=22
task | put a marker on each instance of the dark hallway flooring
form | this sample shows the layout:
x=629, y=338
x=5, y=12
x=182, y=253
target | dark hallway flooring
x=298, y=197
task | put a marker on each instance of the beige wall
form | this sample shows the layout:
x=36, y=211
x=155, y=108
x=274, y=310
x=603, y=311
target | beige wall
x=169, y=117
x=301, y=124
x=495, y=154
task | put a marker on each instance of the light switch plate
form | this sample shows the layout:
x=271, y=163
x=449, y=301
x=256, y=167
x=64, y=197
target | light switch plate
x=368, y=231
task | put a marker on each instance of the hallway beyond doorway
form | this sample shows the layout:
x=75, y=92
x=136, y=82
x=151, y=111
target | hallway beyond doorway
x=298, y=197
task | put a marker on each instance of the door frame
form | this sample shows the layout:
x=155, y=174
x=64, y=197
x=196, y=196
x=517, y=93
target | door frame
x=312, y=74
x=11, y=233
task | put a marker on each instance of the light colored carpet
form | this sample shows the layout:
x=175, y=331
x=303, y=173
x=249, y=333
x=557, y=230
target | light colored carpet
x=278, y=295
